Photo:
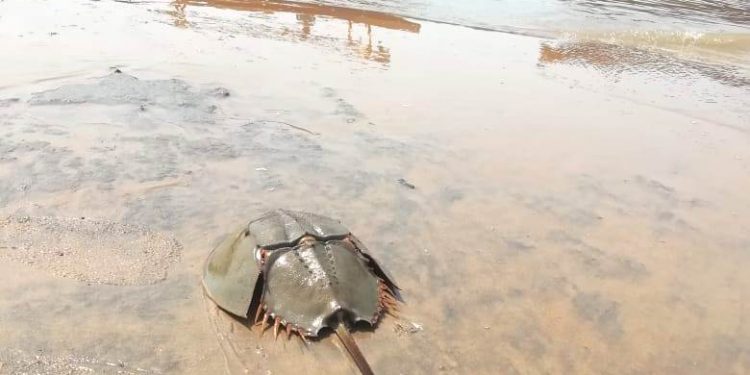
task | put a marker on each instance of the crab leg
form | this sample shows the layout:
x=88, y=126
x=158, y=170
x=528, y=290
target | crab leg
x=263, y=325
x=288, y=331
x=302, y=336
x=257, y=313
x=276, y=328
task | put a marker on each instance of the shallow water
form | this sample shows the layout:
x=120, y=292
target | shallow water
x=578, y=206
x=693, y=15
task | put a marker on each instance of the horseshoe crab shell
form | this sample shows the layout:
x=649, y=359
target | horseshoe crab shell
x=302, y=271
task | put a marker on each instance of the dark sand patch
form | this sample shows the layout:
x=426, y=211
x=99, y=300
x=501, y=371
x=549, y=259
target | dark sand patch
x=8, y=102
x=122, y=89
x=603, y=313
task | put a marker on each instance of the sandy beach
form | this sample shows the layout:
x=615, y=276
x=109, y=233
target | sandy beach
x=553, y=194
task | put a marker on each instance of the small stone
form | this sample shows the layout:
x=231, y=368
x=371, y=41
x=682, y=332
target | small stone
x=406, y=183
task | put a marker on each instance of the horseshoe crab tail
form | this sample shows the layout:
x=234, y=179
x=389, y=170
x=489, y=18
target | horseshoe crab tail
x=342, y=331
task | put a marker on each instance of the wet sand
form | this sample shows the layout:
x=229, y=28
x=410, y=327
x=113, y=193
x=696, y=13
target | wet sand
x=547, y=205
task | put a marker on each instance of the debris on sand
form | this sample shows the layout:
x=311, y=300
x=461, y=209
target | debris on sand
x=402, y=328
x=219, y=92
x=308, y=131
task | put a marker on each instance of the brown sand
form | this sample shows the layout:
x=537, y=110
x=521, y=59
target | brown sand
x=572, y=210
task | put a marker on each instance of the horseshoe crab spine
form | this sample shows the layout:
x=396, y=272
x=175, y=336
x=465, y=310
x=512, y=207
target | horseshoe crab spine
x=388, y=302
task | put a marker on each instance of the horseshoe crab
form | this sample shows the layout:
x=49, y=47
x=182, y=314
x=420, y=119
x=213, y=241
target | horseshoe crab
x=301, y=273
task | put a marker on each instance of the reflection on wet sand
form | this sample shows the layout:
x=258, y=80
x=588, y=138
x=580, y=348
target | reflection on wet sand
x=615, y=60
x=352, y=15
x=306, y=15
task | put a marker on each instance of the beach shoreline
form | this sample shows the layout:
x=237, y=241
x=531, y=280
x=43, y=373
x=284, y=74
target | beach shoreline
x=550, y=204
